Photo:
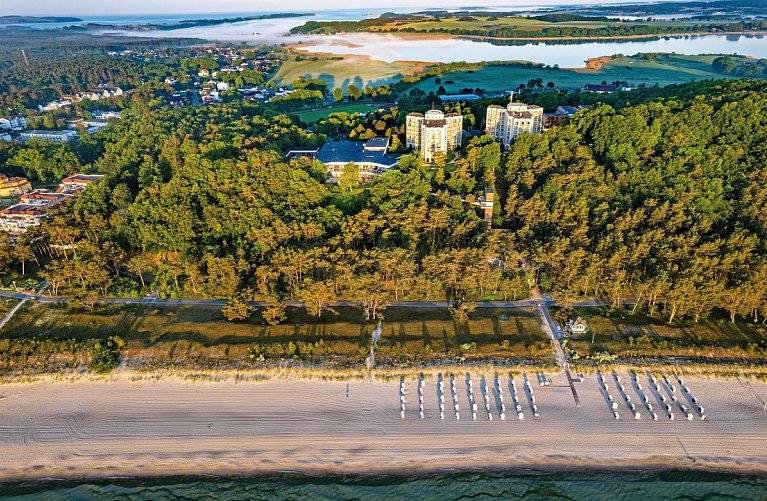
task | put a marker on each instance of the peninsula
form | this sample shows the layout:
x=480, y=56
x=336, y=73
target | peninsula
x=37, y=19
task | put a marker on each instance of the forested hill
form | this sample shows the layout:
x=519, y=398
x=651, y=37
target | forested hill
x=660, y=201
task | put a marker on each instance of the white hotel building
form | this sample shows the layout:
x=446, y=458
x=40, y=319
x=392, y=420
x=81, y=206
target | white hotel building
x=505, y=124
x=434, y=132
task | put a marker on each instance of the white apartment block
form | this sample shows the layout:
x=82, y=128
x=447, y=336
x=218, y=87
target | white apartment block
x=505, y=124
x=57, y=136
x=433, y=132
x=13, y=123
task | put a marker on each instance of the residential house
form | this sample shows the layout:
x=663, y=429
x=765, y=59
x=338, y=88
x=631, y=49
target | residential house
x=96, y=123
x=106, y=115
x=55, y=105
x=577, y=326
x=600, y=89
x=563, y=113
x=20, y=217
x=13, y=186
x=79, y=181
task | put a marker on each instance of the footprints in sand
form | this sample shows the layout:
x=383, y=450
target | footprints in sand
x=451, y=392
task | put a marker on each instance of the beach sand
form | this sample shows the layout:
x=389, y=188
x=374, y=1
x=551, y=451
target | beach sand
x=169, y=426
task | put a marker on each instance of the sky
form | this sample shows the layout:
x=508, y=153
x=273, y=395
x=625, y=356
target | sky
x=121, y=7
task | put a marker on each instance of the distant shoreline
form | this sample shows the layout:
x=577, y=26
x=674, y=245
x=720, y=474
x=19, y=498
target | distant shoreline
x=193, y=23
x=11, y=20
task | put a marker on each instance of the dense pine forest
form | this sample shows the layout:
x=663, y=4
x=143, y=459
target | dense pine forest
x=659, y=201
x=662, y=202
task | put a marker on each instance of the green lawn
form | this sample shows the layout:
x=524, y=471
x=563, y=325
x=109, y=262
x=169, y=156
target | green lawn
x=667, y=69
x=315, y=115
x=340, y=71
x=199, y=337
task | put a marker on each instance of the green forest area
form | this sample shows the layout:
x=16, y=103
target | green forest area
x=654, y=196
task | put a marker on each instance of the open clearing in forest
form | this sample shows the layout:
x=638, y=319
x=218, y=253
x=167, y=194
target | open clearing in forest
x=340, y=71
x=199, y=335
x=315, y=115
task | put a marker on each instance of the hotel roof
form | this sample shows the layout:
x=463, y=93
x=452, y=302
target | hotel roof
x=353, y=151
x=377, y=142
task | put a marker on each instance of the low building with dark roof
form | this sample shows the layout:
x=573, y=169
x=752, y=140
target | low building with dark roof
x=600, y=89
x=457, y=98
x=371, y=161
x=563, y=113
x=377, y=144
x=297, y=153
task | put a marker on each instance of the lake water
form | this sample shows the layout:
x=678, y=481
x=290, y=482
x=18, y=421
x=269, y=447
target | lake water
x=392, y=47
x=443, y=487
x=389, y=47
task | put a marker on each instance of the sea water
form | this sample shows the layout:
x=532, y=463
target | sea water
x=688, y=486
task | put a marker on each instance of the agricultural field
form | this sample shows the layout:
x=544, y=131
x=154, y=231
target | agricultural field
x=315, y=115
x=665, y=70
x=713, y=339
x=486, y=23
x=478, y=23
x=199, y=337
x=340, y=71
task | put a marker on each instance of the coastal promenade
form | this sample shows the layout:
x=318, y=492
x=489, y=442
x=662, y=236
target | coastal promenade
x=523, y=303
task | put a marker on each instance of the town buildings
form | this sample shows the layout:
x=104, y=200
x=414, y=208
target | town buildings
x=433, y=132
x=55, y=105
x=104, y=91
x=57, y=136
x=106, y=115
x=372, y=157
x=35, y=205
x=505, y=124
x=13, y=186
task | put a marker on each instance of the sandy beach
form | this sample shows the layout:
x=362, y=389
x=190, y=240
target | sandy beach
x=125, y=427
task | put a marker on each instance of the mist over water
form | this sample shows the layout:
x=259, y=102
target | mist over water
x=443, y=487
x=389, y=48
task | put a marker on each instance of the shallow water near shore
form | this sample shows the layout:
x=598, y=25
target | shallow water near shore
x=686, y=485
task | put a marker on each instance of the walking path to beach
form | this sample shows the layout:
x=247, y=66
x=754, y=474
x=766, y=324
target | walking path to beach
x=125, y=427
